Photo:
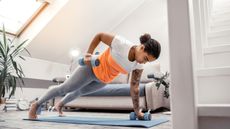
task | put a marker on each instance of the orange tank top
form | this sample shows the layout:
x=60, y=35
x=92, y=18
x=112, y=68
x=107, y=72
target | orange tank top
x=108, y=68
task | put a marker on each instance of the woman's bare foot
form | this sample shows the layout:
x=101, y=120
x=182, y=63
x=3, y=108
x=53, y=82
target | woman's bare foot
x=58, y=107
x=32, y=111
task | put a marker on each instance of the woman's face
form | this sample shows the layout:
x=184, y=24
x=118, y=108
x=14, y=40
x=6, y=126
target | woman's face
x=141, y=56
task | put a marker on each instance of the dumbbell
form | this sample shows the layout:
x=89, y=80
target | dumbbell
x=147, y=116
x=94, y=61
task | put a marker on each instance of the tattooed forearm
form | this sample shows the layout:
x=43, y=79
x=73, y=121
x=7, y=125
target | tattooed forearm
x=135, y=99
x=134, y=88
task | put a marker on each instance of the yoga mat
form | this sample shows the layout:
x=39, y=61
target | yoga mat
x=102, y=121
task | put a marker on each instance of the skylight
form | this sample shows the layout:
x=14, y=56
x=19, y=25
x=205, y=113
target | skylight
x=17, y=14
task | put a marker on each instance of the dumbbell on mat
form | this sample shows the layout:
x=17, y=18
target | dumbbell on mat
x=147, y=116
x=94, y=61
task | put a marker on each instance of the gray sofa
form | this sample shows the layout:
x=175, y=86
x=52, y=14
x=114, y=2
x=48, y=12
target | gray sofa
x=116, y=95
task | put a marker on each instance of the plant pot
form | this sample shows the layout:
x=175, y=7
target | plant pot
x=2, y=100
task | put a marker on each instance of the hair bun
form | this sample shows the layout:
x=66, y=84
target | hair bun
x=144, y=38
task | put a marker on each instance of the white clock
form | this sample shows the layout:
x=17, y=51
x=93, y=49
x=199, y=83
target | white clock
x=22, y=105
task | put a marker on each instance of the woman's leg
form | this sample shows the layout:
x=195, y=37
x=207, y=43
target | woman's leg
x=81, y=76
x=87, y=89
x=92, y=87
x=67, y=98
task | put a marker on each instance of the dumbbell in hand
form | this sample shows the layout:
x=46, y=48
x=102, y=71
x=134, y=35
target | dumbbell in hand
x=147, y=116
x=94, y=61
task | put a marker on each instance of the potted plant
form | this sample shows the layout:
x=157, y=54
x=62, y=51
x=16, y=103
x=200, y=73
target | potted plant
x=11, y=72
x=161, y=80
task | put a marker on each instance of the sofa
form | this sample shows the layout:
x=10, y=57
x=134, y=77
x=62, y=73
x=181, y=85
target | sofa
x=116, y=95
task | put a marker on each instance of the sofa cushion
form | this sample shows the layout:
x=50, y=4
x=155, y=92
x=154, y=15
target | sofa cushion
x=117, y=90
x=121, y=78
x=149, y=68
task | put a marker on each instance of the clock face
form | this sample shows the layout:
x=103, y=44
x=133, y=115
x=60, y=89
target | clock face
x=23, y=105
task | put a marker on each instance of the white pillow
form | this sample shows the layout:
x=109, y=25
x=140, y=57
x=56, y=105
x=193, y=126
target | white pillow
x=149, y=68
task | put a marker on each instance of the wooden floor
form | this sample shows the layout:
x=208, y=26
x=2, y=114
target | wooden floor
x=13, y=120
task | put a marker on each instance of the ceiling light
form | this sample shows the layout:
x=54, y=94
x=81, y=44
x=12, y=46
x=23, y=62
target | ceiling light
x=75, y=52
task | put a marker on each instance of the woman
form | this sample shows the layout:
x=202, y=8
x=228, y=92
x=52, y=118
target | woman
x=122, y=56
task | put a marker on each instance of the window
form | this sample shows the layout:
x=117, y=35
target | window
x=16, y=15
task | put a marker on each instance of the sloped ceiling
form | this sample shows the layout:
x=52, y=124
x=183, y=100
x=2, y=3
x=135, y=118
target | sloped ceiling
x=76, y=24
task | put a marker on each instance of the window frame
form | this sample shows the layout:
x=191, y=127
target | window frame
x=29, y=21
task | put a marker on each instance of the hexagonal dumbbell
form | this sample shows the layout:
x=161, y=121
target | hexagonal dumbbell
x=147, y=116
x=94, y=61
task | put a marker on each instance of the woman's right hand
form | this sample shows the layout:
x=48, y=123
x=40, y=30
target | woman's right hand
x=87, y=59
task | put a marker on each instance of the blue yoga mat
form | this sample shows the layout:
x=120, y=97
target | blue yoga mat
x=102, y=121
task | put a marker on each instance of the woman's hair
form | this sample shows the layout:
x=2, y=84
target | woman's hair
x=152, y=46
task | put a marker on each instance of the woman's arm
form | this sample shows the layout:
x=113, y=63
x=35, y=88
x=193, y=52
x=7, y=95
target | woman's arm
x=104, y=37
x=134, y=91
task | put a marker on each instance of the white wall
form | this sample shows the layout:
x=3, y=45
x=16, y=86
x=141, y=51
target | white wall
x=42, y=69
x=150, y=17
x=183, y=100
x=29, y=94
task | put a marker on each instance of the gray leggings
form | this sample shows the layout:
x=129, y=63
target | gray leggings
x=81, y=82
